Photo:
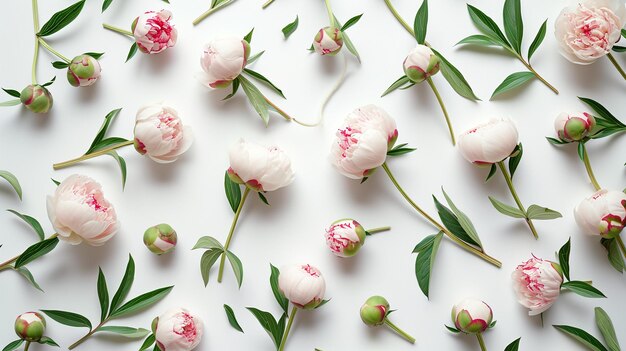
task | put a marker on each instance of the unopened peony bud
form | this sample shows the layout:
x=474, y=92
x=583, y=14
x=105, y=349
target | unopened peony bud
x=345, y=237
x=328, y=41
x=160, y=239
x=160, y=133
x=472, y=316
x=222, y=61
x=260, y=168
x=489, y=142
x=421, y=63
x=177, y=330
x=374, y=311
x=604, y=213
x=574, y=126
x=84, y=70
x=537, y=284
x=36, y=98
x=30, y=326
x=303, y=285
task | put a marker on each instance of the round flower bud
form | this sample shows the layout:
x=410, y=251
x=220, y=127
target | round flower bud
x=472, y=316
x=30, y=326
x=259, y=167
x=374, y=311
x=160, y=238
x=421, y=63
x=574, y=126
x=160, y=133
x=153, y=32
x=328, y=41
x=489, y=142
x=372, y=116
x=83, y=71
x=303, y=285
x=537, y=284
x=177, y=330
x=603, y=213
x=345, y=237
x=36, y=98
x=222, y=61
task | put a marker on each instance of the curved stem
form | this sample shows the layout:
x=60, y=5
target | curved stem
x=329, y=11
x=230, y=234
x=592, y=177
x=292, y=316
x=399, y=331
x=443, y=108
x=268, y=3
x=27, y=346
x=56, y=53
x=479, y=336
x=532, y=70
x=278, y=109
x=5, y=264
x=91, y=155
x=117, y=30
x=616, y=64
x=91, y=332
x=36, y=27
x=399, y=18
x=439, y=226
x=210, y=11
x=509, y=182
x=621, y=245
x=378, y=230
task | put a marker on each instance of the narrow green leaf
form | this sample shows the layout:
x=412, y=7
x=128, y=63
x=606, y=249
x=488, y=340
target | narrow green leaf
x=425, y=260
x=555, y=141
x=351, y=22
x=235, y=87
x=263, y=198
x=541, y=213
x=606, y=328
x=399, y=150
x=256, y=99
x=29, y=276
x=47, y=341
x=32, y=222
x=122, y=163
x=486, y=25
x=264, y=80
x=11, y=102
x=248, y=36
x=480, y=40
x=13, y=345
x=455, y=78
x=35, y=251
x=581, y=151
x=56, y=182
x=492, y=171
x=207, y=261
x=582, y=336
x=397, y=84
x=514, y=80
x=12, y=179
x=618, y=48
x=452, y=329
x=129, y=332
x=12, y=92
x=541, y=34
x=104, y=143
x=282, y=322
x=280, y=298
x=95, y=55
x=582, y=289
x=348, y=42
x=513, y=24
x=49, y=82
x=235, y=263
x=61, y=19
x=208, y=242
x=103, y=295
x=108, y=119
x=148, y=342
x=60, y=64
x=268, y=322
x=230, y=314
x=125, y=284
x=451, y=222
x=420, y=24
x=70, y=319
x=564, y=253
x=603, y=112
x=506, y=209
x=464, y=221
x=290, y=28
x=132, y=51
x=141, y=302
x=515, y=160
x=614, y=254
x=255, y=57
x=233, y=192
x=514, y=346
x=106, y=4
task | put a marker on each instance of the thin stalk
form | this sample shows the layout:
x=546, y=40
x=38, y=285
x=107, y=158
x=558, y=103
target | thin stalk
x=399, y=18
x=479, y=336
x=616, y=64
x=230, y=233
x=443, y=108
x=268, y=3
x=592, y=177
x=532, y=70
x=91, y=155
x=621, y=245
x=5, y=264
x=438, y=225
x=36, y=27
x=210, y=11
x=117, y=30
x=509, y=182
x=91, y=332
x=278, y=109
x=292, y=316
x=27, y=346
x=378, y=230
x=329, y=11
x=56, y=53
x=399, y=331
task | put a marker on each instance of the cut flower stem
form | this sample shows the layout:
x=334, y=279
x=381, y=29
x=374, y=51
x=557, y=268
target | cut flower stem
x=117, y=30
x=399, y=331
x=220, y=273
x=91, y=155
x=509, y=183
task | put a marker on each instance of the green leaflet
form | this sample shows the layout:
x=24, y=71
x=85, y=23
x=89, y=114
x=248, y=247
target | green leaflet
x=128, y=332
x=480, y=40
x=29, y=277
x=141, y=302
x=399, y=83
x=583, y=289
x=451, y=222
x=125, y=284
x=132, y=51
x=35, y=251
x=12, y=179
x=106, y=4
x=486, y=25
x=614, y=254
x=256, y=99
x=506, y=209
x=61, y=19
x=513, y=25
x=606, y=328
x=208, y=242
x=464, y=221
x=32, y=222
x=282, y=300
x=233, y=192
x=290, y=28
x=13, y=345
x=514, y=80
x=426, y=252
x=274, y=329
x=103, y=295
x=541, y=34
x=420, y=24
x=352, y=21
x=236, y=265
x=514, y=161
x=70, y=319
x=455, y=78
x=230, y=314
x=514, y=346
x=207, y=261
x=264, y=80
x=541, y=213
x=582, y=336
x=564, y=253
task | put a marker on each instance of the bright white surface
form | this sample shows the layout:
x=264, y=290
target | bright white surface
x=189, y=193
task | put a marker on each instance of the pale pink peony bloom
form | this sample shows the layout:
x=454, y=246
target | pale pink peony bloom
x=177, y=330
x=537, y=284
x=303, y=285
x=489, y=142
x=587, y=30
x=153, y=32
x=259, y=167
x=345, y=237
x=222, y=60
x=603, y=213
x=328, y=41
x=160, y=134
x=79, y=212
x=574, y=126
x=372, y=116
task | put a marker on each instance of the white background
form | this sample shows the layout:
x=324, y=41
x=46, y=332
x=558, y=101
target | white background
x=189, y=194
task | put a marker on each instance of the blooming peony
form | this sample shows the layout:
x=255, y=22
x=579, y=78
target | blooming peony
x=603, y=213
x=260, y=168
x=489, y=142
x=153, y=32
x=537, y=284
x=177, y=330
x=222, y=60
x=160, y=134
x=303, y=285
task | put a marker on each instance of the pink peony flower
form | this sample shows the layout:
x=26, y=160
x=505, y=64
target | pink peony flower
x=177, y=330
x=153, y=32
x=489, y=142
x=537, y=284
x=345, y=237
x=328, y=41
x=260, y=168
x=603, y=213
x=223, y=60
x=303, y=285
x=372, y=116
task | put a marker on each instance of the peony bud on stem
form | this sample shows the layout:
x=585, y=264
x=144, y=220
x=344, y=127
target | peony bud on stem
x=220, y=273
x=592, y=177
x=616, y=64
x=117, y=30
x=27, y=346
x=292, y=316
x=509, y=182
x=479, y=336
x=101, y=152
x=331, y=16
x=49, y=48
x=443, y=108
x=399, y=331
x=377, y=230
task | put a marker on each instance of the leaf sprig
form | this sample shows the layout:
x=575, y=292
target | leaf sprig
x=14, y=345
x=604, y=323
x=13, y=181
x=581, y=288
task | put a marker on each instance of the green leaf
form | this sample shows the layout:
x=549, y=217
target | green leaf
x=148, y=342
x=290, y=28
x=420, y=24
x=511, y=82
x=486, y=25
x=11, y=102
x=49, y=82
x=541, y=213
x=103, y=295
x=104, y=143
x=564, y=252
x=129, y=332
x=32, y=222
x=614, y=254
x=506, y=209
x=606, y=328
x=513, y=24
x=607, y=118
x=582, y=289
x=106, y=4
x=61, y=19
x=125, y=284
x=60, y=64
x=13, y=345
x=581, y=151
x=12, y=92
x=515, y=160
x=256, y=99
x=141, y=302
x=12, y=179
x=70, y=319
x=514, y=346
x=618, y=48
x=47, y=341
x=464, y=221
x=208, y=242
x=248, y=36
x=280, y=298
x=624, y=33
x=264, y=80
x=230, y=314
x=541, y=34
x=492, y=171
x=455, y=78
x=480, y=40
x=582, y=336
x=207, y=261
x=95, y=55
x=35, y=251
x=235, y=263
x=233, y=192
x=452, y=329
x=400, y=82
x=132, y=51
x=399, y=150
x=555, y=141
x=235, y=87
x=122, y=163
x=268, y=322
x=263, y=198
x=451, y=222
x=351, y=22
x=426, y=252
x=255, y=57
x=347, y=41
x=108, y=119
x=29, y=276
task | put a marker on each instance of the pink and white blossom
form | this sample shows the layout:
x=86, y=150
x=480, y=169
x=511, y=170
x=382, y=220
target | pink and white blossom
x=574, y=126
x=472, y=316
x=303, y=285
x=328, y=41
x=177, y=330
x=603, y=213
x=372, y=116
x=345, y=237
x=421, y=63
x=489, y=142
x=537, y=284
x=160, y=134
x=223, y=60
x=260, y=168
x=153, y=31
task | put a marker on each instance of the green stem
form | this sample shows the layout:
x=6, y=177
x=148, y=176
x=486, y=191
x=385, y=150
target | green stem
x=6, y=264
x=399, y=331
x=532, y=70
x=101, y=152
x=378, y=230
x=56, y=53
x=509, y=182
x=36, y=27
x=329, y=11
x=27, y=346
x=289, y=323
x=278, y=109
x=91, y=332
x=443, y=108
x=479, y=336
x=438, y=225
x=117, y=30
x=230, y=234
x=592, y=177
x=268, y=3
x=621, y=245
x=210, y=11
x=616, y=64
x=399, y=18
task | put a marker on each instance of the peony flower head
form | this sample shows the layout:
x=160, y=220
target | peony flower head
x=421, y=63
x=260, y=168
x=472, y=316
x=603, y=213
x=328, y=41
x=36, y=98
x=153, y=31
x=587, y=30
x=83, y=71
x=177, y=330
x=160, y=238
x=303, y=285
x=345, y=237
x=372, y=116
x=160, y=134
x=374, y=311
x=222, y=61
x=574, y=126
x=79, y=212
x=489, y=142
x=30, y=326
x=537, y=284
